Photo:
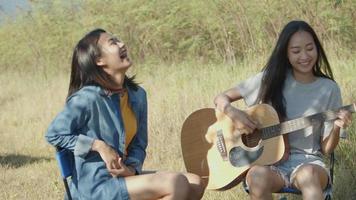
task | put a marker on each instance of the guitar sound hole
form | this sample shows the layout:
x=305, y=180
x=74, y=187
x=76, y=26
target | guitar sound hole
x=251, y=140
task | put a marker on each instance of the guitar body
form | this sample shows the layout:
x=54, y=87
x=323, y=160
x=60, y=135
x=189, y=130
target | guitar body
x=222, y=156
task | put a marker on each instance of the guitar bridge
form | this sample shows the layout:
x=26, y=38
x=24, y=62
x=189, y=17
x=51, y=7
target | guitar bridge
x=220, y=144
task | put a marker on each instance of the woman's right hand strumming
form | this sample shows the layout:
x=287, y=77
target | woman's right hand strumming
x=242, y=122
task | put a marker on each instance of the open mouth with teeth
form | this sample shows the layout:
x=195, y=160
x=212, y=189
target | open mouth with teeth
x=123, y=53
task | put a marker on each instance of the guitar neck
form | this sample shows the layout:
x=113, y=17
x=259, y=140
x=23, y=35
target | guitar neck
x=301, y=123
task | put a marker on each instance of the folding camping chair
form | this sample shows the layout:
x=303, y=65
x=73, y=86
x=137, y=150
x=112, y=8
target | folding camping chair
x=65, y=159
x=296, y=191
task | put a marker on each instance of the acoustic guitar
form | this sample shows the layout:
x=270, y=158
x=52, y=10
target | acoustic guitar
x=220, y=155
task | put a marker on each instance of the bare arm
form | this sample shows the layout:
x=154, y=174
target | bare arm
x=223, y=100
x=344, y=120
x=241, y=120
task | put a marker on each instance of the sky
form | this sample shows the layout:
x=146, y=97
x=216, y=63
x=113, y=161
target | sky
x=10, y=8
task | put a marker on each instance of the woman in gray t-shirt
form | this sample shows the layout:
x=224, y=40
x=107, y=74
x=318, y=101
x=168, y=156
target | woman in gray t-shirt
x=297, y=81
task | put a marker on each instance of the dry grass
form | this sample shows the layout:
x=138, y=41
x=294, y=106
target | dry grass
x=29, y=101
x=229, y=31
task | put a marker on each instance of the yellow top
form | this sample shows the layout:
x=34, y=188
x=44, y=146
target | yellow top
x=128, y=117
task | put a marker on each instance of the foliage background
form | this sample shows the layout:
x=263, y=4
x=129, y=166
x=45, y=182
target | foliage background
x=185, y=53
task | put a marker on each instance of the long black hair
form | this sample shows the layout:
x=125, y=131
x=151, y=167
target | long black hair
x=85, y=71
x=275, y=71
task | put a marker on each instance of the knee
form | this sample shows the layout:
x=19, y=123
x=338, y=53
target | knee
x=174, y=185
x=194, y=179
x=306, y=175
x=257, y=175
x=257, y=180
x=180, y=180
x=197, y=185
x=177, y=182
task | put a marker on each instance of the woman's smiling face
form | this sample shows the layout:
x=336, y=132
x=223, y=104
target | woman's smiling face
x=114, y=55
x=302, y=53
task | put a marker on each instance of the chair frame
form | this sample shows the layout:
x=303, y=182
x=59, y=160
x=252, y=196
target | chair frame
x=65, y=160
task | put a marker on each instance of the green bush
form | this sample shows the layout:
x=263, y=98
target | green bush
x=169, y=30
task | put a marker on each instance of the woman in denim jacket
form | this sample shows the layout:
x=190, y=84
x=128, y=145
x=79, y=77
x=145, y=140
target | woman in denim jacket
x=104, y=122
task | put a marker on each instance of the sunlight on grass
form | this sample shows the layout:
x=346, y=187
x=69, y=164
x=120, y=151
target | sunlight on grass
x=186, y=53
x=174, y=91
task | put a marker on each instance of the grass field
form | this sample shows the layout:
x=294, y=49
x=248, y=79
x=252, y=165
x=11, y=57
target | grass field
x=28, y=103
x=185, y=51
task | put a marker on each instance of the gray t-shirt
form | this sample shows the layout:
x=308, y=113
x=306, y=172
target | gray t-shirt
x=301, y=100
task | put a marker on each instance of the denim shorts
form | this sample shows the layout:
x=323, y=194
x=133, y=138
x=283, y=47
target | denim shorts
x=123, y=188
x=287, y=169
x=122, y=193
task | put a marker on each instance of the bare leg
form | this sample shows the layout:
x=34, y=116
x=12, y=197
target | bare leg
x=263, y=182
x=197, y=187
x=160, y=185
x=311, y=180
x=196, y=184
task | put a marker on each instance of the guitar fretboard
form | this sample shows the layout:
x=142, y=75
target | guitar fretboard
x=301, y=123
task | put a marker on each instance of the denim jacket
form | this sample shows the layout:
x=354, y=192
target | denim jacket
x=90, y=114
